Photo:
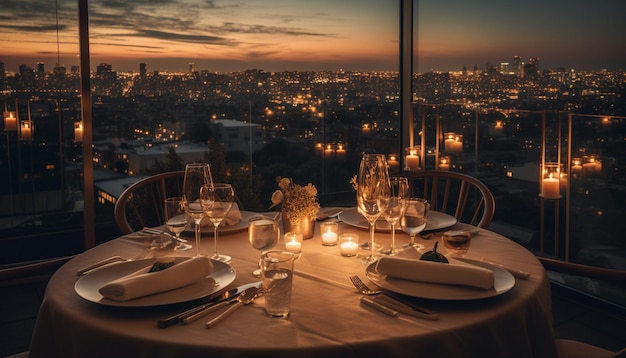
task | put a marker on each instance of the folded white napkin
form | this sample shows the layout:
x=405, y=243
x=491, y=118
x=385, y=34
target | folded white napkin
x=435, y=272
x=142, y=283
x=233, y=218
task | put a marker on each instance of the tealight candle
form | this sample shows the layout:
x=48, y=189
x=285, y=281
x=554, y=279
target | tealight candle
x=329, y=233
x=293, y=242
x=349, y=244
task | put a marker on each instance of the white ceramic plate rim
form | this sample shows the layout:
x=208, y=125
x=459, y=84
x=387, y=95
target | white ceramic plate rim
x=436, y=220
x=207, y=226
x=503, y=282
x=87, y=286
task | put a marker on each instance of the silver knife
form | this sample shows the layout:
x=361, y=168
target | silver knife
x=405, y=307
x=225, y=296
x=384, y=309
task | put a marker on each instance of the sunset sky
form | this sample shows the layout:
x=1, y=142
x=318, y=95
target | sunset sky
x=274, y=35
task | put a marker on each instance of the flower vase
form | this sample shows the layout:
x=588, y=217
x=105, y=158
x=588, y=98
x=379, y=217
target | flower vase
x=305, y=226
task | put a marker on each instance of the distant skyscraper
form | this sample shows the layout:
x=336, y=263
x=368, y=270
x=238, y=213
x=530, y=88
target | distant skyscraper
x=2, y=71
x=104, y=68
x=40, y=68
x=531, y=69
x=142, y=69
x=505, y=68
x=518, y=66
x=192, y=67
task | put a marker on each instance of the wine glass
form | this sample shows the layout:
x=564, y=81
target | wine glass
x=395, y=209
x=217, y=199
x=414, y=219
x=263, y=234
x=196, y=175
x=176, y=220
x=372, y=193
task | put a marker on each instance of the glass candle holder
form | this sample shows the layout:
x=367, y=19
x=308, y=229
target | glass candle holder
x=577, y=168
x=293, y=242
x=444, y=163
x=329, y=232
x=349, y=244
x=412, y=158
x=592, y=166
x=550, y=181
x=453, y=143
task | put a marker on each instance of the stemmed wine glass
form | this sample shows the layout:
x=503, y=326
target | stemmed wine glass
x=176, y=220
x=196, y=175
x=263, y=234
x=217, y=199
x=414, y=219
x=395, y=209
x=372, y=193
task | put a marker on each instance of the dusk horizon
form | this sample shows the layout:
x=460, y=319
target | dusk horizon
x=276, y=35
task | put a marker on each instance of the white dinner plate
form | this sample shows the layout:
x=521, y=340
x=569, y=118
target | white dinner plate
x=87, y=286
x=207, y=226
x=435, y=220
x=503, y=282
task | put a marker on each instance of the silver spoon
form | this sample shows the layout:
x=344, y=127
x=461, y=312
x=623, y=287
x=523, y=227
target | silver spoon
x=245, y=298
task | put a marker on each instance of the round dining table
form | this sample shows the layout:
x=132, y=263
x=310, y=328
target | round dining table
x=327, y=317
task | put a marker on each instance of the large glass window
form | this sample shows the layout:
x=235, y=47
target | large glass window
x=503, y=93
x=300, y=89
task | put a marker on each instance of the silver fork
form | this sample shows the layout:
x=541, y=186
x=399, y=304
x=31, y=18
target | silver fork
x=394, y=302
x=362, y=287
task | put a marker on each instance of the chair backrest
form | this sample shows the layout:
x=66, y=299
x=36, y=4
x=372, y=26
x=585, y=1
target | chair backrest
x=141, y=204
x=460, y=195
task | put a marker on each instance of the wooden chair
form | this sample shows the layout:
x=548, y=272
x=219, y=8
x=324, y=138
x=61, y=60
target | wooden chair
x=460, y=195
x=141, y=204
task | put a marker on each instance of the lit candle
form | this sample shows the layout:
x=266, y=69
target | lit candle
x=412, y=162
x=78, y=132
x=577, y=168
x=329, y=233
x=444, y=163
x=593, y=167
x=328, y=152
x=412, y=159
x=341, y=151
x=293, y=246
x=27, y=131
x=329, y=238
x=349, y=244
x=293, y=242
x=10, y=121
x=453, y=145
x=550, y=187
x=393, y=162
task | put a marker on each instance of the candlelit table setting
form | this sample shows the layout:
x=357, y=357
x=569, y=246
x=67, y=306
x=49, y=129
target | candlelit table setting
x=326, y=314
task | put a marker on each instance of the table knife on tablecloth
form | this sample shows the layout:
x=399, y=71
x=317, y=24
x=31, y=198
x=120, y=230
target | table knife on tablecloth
x=225, y=296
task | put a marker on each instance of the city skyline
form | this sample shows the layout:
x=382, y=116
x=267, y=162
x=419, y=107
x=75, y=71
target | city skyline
x=276, y=35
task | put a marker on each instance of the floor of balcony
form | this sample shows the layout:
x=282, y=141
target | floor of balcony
x=576, y=316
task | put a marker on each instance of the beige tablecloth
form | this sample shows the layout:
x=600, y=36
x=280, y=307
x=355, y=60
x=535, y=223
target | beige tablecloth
x=326, y=318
